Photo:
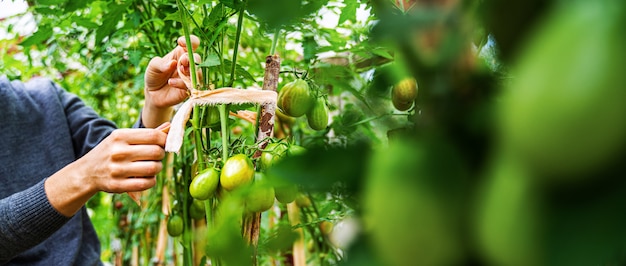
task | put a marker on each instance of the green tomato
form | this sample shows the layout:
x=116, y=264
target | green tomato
x=203, y=186
x=272, y=154
x=211, y=117
x=286, y=193
x=303, y=201
x=175, y=225
x=238, y=170
x=260, y=198
x=403, y=94
x=317, y=117
x=294, y=150
x=295, y=98
x=197, y=210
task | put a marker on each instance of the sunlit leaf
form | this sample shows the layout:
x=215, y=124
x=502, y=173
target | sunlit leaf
x=42, y=34
x=348, y=12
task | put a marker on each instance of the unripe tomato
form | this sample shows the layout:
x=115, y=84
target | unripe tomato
x=203, y=186
x=211, y=117
x=317, y=117
x=272, y=153
x=197, y=210
x=295, y=98
x=326, y=227
x=303, y=201
x=260, y=198
x=175, y=225
x=295, y=150
x=403, y=94
x=238, y=170
x=286, y=193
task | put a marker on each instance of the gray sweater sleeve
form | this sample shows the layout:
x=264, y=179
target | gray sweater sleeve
x=27, y=218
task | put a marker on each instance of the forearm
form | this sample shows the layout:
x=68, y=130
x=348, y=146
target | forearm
x=26, y=219
x=68, y=190
x=152, y=117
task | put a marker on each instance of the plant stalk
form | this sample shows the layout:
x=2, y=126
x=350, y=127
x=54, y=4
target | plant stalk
x=236, y=47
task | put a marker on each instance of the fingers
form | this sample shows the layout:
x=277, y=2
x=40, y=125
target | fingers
x=139, y=169
x=195, y=42
x=139, y=136
x=131, y=184
x=133, y=153
x=162, y=65
x=184, y=68
x=177, y=83
x=165, y=127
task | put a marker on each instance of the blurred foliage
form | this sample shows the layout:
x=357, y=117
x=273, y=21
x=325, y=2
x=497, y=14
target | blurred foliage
x=510, y=154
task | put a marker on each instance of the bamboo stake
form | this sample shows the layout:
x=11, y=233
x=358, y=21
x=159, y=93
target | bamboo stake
x=299, y=258
x=162, y=236
x=265, y=129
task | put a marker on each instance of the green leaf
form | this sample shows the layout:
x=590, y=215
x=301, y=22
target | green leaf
x=135, y=57
x=210, y=60
x=348, y=12
x=240, y=72
x=215, y=16
x=45, y=10
x=51, y=2
x=309, y=47
x=173, y=16
x=110, y=20
x=80, y=21
x=234, y=4
x=382, y=52
x=75, y=5
x=276, y=13
x=313, y=6
x=42, y=34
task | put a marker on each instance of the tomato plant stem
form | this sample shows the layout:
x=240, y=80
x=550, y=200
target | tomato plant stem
x=236, y=46
x=224, y=124
x=183, y=22
x=274, y=41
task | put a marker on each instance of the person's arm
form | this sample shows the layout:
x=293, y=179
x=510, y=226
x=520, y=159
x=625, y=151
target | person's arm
x=127, y=160
x=119, y=155
x=27, y=219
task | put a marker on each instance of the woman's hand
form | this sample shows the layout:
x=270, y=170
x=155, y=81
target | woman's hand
x=163, y=86
x=127, y=160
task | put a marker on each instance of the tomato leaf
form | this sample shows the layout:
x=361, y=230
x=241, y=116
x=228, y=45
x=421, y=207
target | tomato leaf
x=309, y=47
x=110, y=20
x=81, y=21
x=210, y=60
x=382, y=52
x=43, y=33
x=348, y=12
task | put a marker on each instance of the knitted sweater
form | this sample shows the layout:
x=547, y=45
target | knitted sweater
x=44, y=128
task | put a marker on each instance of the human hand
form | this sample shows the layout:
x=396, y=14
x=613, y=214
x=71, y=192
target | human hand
x=163, y=86
x=127, y=160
